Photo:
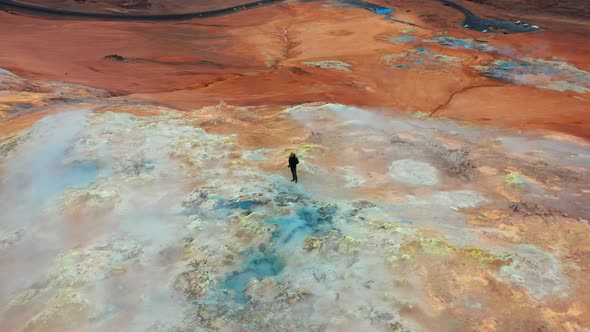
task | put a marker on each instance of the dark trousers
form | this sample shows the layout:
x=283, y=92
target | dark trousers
x=294, y=172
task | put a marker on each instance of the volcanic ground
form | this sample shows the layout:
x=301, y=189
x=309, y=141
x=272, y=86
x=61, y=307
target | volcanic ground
x=443, y=179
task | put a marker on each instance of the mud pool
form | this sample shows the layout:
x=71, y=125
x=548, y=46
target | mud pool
x=163, y=226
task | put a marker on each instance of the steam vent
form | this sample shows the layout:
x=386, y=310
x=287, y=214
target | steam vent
x=296, y=165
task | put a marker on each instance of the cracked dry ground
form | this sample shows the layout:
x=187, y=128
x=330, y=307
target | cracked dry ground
x=144, y=184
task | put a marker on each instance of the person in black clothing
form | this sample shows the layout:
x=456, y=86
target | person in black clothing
x=293, y=161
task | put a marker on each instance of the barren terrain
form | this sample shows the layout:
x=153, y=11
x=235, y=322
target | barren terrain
x=443, y=181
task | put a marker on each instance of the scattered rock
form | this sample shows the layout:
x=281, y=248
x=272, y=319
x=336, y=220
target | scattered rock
x=455, y=161
x=312, y=243
x=8, y=239
x=288, y=295
x=363, y=204
x=530, y=208
x=9, y=146
x=192, y=283
x=195, y=199
x=330, y=64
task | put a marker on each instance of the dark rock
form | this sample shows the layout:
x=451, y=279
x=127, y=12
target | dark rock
x=530, y=208
x=194, y=200
x=115, y=57
x=298, y=71
x=363, y=204
x=455, y=161
x=134, y=4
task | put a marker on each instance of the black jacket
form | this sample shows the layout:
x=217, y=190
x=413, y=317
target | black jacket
x=293, y=161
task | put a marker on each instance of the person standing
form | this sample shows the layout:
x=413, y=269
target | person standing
x=293, y=161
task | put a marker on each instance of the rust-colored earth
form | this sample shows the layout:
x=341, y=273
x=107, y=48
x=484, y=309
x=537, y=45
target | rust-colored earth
x=259, y=57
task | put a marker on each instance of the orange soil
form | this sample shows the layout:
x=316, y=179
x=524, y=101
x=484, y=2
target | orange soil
x=257, y=58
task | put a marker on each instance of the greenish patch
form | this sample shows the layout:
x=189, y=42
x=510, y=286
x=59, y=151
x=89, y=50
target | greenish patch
x=390, y=226
x=252, y=226
x=420, y=115
x=400, y=258
x=70, y=258
x=514, y=181
x=24, y=297
x=348, y=244
x=427, y=246
x=307, y=149
x=486, y=257
x=432, y=246
x=312, y=243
